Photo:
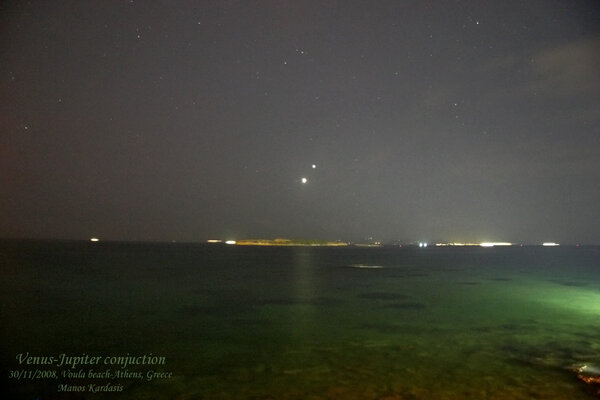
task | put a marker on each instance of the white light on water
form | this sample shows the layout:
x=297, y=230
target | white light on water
x=366, y=266
x=230, y=242
x=492, y=244
x=94, y=239
x=550, y=244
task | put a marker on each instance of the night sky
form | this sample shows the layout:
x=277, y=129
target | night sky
x=449, y=120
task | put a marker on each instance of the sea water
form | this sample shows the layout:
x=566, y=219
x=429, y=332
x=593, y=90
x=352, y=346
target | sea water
x=234, y=322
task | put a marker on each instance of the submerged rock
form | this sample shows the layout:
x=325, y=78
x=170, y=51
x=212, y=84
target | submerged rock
x=590, y=374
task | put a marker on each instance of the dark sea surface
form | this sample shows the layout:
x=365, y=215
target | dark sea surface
x=237, y=322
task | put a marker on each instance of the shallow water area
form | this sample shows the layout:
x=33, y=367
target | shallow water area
x=308, y=323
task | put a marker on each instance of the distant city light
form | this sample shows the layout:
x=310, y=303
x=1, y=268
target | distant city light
x=457, y=244
x=492, y=244
x=422, y=244
x=230, y=242
x=304, y=180
x=94, y=239
x=214, y=241
x=550, y=244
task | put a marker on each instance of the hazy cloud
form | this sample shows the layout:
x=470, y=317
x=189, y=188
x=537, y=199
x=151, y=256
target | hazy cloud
x=569, y=69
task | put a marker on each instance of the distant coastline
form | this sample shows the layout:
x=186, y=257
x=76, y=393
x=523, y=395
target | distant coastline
x=289, y=242
x=340, y=243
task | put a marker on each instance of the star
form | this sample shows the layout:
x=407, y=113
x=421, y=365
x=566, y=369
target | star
x=304, y=180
